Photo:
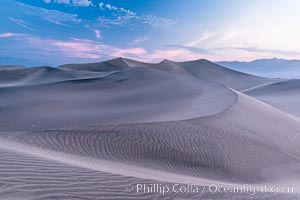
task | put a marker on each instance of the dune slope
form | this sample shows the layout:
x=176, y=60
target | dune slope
x=28, y=177
x=133, y=95
x=110, y=65
x=228, y=147
x=214, y=147
x=284, y=95
x=201, y=69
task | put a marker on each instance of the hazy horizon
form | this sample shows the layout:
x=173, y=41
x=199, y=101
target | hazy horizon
x=32, y=63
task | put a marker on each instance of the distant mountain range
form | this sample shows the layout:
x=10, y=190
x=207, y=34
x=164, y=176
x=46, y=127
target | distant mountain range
x=274, y=68
x=19, y=62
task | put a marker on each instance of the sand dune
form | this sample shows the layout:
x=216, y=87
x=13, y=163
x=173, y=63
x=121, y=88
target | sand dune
x=39, y=75
x=284, y=95
x=132, y=95
x=214, y=148
x=89, y=131
x=201, y=69
x=110, y=65
x=33, y=178
x=206, y=70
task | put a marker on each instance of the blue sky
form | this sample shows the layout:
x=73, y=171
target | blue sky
x=67, y=31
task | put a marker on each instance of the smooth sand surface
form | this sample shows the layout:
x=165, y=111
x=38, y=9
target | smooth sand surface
x=284, y=95
x=136, y=94
x=166, y=123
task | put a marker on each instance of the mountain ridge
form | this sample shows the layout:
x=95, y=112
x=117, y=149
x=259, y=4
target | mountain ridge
x=272, y=68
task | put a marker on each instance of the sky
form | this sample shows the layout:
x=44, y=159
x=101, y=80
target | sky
x=54, y=32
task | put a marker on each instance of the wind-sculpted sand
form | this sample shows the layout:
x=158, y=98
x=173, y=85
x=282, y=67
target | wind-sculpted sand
x=284, y=95
x=140, y=123
x=133, y=95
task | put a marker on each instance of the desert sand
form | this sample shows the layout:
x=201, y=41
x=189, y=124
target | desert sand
x=94, y=131
x=284, y=95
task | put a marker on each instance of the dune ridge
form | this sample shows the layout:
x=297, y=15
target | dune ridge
x=284, y=95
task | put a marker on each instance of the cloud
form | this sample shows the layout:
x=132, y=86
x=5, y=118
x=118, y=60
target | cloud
x=128, y=52
x=84, y=40
x=82, y=2
x=108, y=6
x=79, y=49
x=121, y=17
x=139, y=40
x=194, y=49
x=203, y=37
x=6, y=35
x=236, y=53
x=156, y=22
x=86, y=50
x=58, y=1
x=112, y=16
x=9, y=34
x=71, y=2
x=101, y=6
x=271, y=51
x=82, y=48
x=133, y=19
x=52, y=16
x=97, y=34
x=173, y=54
x=126, y=11
x=21, y=23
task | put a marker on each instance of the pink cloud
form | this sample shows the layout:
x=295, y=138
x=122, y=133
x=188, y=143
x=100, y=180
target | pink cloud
x=174, y=54
x=85, y=49
x=129, y=52
x=88, y=49
x=77, y=49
